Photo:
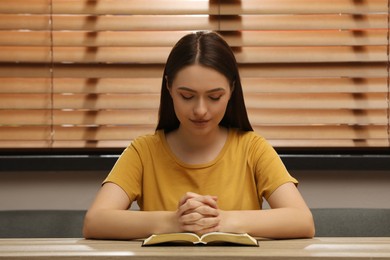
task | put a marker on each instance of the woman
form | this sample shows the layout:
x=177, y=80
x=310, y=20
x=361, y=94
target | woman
x=204, y=169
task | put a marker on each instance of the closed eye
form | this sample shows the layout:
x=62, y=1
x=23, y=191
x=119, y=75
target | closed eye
x=186, y=96
x=215, y=98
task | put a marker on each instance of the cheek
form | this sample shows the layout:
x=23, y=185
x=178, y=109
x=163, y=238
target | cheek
x=223, y=105
x=179, y=107
x=218, y=110
x=177, y=102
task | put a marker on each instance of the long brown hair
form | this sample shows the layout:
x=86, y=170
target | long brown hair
x=208, y=49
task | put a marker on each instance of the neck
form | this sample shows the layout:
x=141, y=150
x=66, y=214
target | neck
x=197, y=149
x=200, y=142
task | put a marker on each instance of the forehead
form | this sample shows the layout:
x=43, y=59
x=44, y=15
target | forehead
x=197, y=76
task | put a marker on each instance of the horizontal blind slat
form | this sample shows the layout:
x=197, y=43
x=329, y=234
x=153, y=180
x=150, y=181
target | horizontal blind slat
x=307, y=38
x=315, y=143
x=342, y=138
x=153, y=85
x=25, y=101
x=24, y=38
x=331, y=70
x=341, y=132
x=191, y=7
x=301, y=7
x=158, y=55
x=135, y=7
x=81, y=71
x=314, y=85
x=112, y=144
x=315, y=100
x=169, y=23
x=350, y=70
x=81, y=85
x=169, y=38
x=151, y=101
x=25, y=144
x=110, y=7
x=24, y=117
x=272, y=116
x=107, y=117
x=101, y=144
x=92, y=101
x=303, y=22
x=134, y=23
x=125, y=133
x=25, y=7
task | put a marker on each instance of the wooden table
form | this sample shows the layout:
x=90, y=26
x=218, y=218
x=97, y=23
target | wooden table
x=317, y=248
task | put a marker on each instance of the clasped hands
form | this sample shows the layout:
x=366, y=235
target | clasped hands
x=198, y=213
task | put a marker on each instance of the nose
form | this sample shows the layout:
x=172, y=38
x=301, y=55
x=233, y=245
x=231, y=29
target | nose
x=200, y=108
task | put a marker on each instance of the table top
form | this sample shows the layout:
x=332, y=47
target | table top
x=78, y=248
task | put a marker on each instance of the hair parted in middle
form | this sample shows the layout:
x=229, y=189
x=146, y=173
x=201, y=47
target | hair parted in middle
x=210, y=50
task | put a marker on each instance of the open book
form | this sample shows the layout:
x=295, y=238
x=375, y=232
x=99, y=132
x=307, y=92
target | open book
x=213, y=237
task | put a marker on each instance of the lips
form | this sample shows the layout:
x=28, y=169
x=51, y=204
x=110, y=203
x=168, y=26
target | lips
x=200, y=122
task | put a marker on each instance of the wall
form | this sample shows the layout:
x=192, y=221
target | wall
x=345, y=188
x=76, y=190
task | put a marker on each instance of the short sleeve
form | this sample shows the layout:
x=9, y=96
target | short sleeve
x=127, y=172
x=270, y=172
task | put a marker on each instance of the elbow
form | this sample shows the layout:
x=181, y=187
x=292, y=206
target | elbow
x=88, y=230
x=303, y=226
x=309, y=231
x=308, y=227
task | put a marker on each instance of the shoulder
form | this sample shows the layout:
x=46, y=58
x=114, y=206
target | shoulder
x=144, y=144
x=247, y=138
x=147, y=140
x=254, y=144
x=246, y=135
x=142, y=147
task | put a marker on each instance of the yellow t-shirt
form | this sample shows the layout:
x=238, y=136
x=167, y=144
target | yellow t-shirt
x=246, y=170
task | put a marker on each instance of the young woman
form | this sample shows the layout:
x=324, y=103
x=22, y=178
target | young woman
x=204, y=169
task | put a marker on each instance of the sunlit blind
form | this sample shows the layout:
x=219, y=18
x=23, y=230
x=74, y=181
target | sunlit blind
x=87, y=73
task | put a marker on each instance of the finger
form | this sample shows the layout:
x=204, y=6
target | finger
x=200, y=207
x=208, y=230
x=191, y=218
x=208, y=200
x=206, y=211
x=201, y=224
x=199, y=230
x=187, y=196
x=189, y=206
x=205, y=199
x=199, y=219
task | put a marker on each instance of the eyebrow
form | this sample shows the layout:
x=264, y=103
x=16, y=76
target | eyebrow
x=208, y=91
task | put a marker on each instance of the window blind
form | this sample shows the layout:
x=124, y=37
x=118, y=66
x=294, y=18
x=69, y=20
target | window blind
x=87, y=73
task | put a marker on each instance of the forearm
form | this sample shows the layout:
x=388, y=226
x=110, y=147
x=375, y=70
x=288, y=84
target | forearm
x=125, y=224
x=272, y=223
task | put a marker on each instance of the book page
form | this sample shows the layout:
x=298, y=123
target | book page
x=244, y=239
x=171, y=237
x=213, y=237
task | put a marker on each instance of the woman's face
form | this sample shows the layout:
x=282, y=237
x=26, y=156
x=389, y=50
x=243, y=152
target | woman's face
x=200, y=97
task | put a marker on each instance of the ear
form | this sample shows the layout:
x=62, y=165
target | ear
x=232, y=88
x=167, y=84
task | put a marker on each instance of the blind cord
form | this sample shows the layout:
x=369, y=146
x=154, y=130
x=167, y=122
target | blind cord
x=388, y=73
x=51, y=71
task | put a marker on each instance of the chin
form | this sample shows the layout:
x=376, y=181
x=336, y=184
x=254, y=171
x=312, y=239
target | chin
x=201, y=131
